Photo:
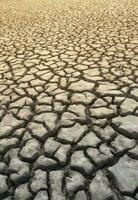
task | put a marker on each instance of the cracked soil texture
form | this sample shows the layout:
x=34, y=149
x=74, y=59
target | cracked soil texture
x=68, y=100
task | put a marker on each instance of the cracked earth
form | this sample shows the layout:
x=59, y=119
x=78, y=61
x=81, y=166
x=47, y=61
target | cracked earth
x=68, y=100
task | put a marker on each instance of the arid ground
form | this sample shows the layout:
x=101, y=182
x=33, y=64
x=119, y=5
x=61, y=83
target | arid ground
x=68, y=99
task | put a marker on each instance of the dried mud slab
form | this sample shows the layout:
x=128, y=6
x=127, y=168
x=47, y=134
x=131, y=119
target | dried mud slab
x=68, y=100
